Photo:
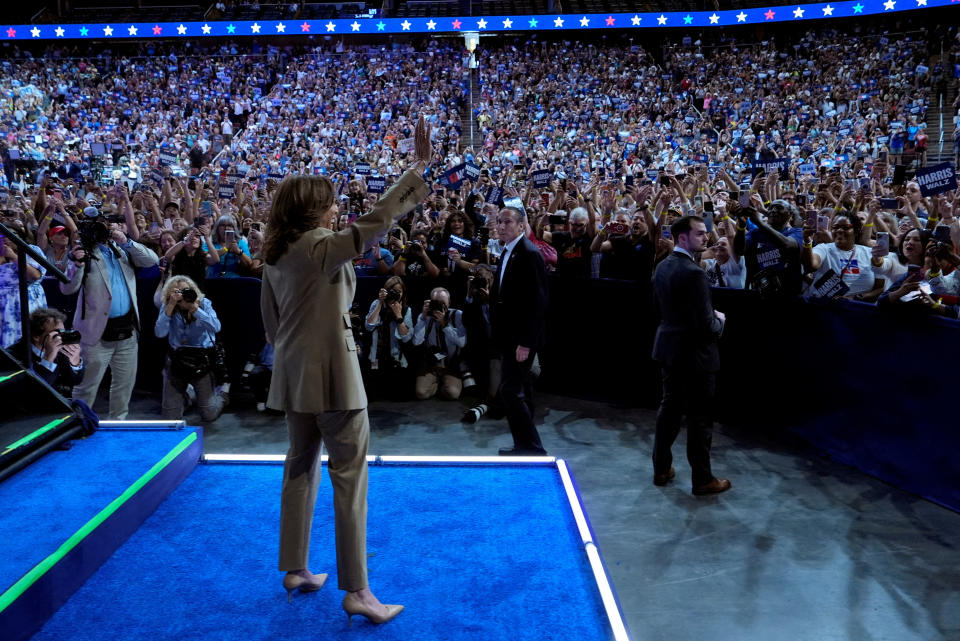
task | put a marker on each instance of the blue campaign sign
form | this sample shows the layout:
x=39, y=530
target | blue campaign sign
x=376, y=184
x=937, y=179
x=494, y=196
x=808, y=168
x=473, y=171
x=542, y=178
x=462, y=245
x=362, y=168
x=167, y=158
x=769, y=166
x=453, y=177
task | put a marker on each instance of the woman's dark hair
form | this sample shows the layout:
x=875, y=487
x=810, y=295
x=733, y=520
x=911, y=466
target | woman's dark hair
x=470, y=208
x=924, y=239
x=40, y=316
x=467, y=224
x=299, y=205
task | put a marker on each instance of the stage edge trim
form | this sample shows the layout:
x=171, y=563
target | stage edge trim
x=610, y=603
x=31, y=577
x=387, y=460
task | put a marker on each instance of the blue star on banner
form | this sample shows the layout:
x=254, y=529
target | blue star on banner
x=488, y=24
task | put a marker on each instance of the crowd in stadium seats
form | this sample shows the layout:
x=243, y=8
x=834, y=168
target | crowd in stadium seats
x=800, y=157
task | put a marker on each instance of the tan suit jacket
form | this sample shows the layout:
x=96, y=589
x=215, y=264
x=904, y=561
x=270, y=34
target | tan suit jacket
x=305, y=301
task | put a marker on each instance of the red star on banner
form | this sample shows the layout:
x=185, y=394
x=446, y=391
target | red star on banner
x=456, y=24
x=11, y=32
x=769, y=14
x=304, y=26
x=157, y=29
x=610, y=21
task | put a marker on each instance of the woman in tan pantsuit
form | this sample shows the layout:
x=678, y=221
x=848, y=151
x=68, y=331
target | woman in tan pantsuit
x=308, y=287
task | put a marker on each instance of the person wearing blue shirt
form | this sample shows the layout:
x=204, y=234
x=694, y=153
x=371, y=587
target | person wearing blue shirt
x=772, y=250
x=232, y=249
x=190, y=324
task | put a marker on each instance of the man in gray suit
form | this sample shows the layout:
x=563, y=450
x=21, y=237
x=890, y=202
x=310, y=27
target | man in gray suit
x=686, y=348
x=107, y=315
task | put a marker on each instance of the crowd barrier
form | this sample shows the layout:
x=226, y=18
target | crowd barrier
x=871, y=387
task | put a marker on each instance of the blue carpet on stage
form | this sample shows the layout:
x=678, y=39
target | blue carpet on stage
x=44, y=504
x=475, y=553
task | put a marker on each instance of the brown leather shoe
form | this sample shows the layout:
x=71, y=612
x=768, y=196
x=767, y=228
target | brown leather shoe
x=713, y=487
x=663, y=479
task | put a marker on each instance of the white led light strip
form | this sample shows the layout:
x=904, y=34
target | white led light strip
x=129, y=423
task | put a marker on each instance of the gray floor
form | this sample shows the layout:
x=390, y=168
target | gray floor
x=801, y=549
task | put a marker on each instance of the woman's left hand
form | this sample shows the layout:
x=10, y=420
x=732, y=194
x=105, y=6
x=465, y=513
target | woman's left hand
x=423, y=148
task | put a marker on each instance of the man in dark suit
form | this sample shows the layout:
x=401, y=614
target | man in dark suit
x=56, y=362
x=519, y=296
x=686, y=348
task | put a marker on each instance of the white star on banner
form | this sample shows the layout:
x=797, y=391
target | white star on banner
x=889, y=5
x=481, y=24
x=132, y=30
x=507, y=23
x=741, y=17
x=205, y=29
x=36, y=32
x=798, y=13
x=60, y=32
x=281, y=28
x=635, y=20
x=584, y=21
x=431, y=25
x=107, y=31
x=662, y=19
x=714, y=19
x=828, y=10
x=921, y=3
x=182, y=30
x=406, y=25
x=355, y=25
x=558, y=22
x=330, y=26
x=255, y=28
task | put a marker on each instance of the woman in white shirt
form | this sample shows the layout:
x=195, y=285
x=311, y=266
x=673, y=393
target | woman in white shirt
x=853, y=262
x=725, y=269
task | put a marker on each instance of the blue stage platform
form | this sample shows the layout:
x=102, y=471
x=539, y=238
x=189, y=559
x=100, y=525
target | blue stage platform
x=475, y=548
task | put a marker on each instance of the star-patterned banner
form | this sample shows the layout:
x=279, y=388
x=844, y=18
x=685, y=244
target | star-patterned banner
x=491, y=24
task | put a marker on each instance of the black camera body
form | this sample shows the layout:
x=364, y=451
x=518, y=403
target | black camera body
x=393, y=297
x=69, y=336
x=437, y=306
x=189, y=295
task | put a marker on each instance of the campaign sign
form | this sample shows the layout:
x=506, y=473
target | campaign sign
x=937, y=179
x=830, y=285
x=376, y=185
x=541, y=178
x=453, y=177
x=653, y=174
x=405, y=145
x=473, y=171
x=233, y=179
x=362, y=168
x=494, y=196
x=462, y=245
x=225, y=191
x=808, y=168
x=167, y=158
x=770, y=166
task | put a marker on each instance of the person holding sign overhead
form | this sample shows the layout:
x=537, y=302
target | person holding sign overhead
x=308, y=288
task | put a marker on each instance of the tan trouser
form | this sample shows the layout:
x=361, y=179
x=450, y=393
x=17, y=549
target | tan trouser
x=346, y=435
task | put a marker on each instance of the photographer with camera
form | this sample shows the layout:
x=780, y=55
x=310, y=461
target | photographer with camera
x=414, y=261
x=480, y=353
x=772, y=249
x=440, y=331
x=190, y=325
x=56, y=351
x=390, y=323
x=102, y=270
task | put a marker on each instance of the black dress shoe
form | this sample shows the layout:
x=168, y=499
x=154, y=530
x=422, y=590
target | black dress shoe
x=663, y=479
x=515, y=451
x=713, y=487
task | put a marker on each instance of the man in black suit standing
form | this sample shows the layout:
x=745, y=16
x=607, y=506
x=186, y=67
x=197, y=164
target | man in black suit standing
x=519, y=297
x=686, y=348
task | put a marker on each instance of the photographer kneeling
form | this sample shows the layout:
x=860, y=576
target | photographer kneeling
x=440, y=330
x=390, y=323
x=190, y=325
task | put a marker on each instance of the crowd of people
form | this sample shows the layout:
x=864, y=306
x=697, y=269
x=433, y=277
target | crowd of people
x=799, y=157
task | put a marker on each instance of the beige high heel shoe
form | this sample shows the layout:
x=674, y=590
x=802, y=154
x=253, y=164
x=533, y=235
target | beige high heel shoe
x=352, y=606
x=310, y=583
